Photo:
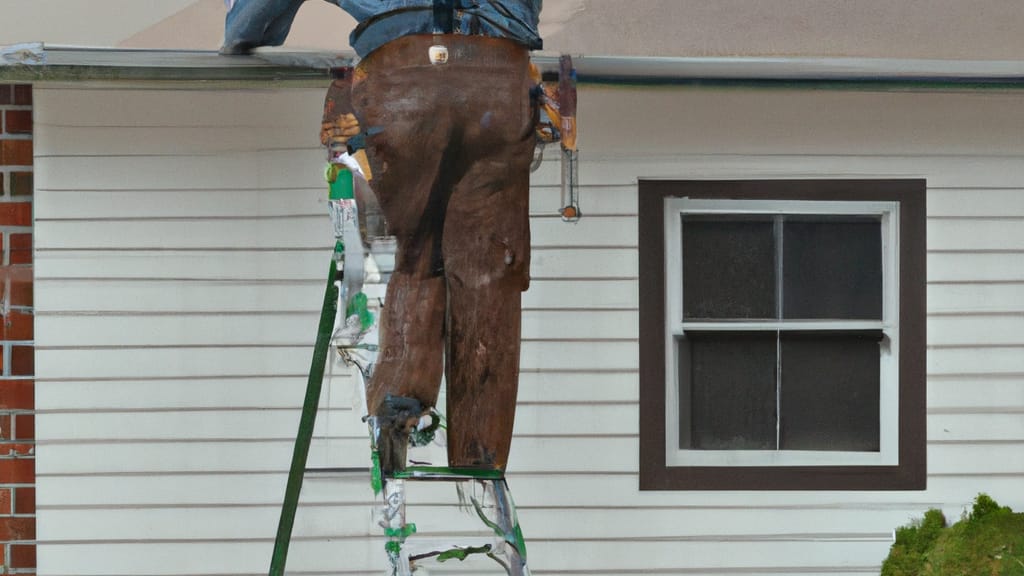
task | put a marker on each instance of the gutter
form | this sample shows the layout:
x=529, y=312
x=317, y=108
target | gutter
x=39, y=63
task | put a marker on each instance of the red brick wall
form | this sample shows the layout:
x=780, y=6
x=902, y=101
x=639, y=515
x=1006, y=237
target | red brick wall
x=17, y=398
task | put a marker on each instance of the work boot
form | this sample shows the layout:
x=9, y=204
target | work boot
x=396, y=418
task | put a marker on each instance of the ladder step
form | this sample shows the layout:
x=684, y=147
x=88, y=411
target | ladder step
x=442, y=473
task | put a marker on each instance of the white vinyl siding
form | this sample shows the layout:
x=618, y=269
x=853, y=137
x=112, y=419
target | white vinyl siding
x=181, y=247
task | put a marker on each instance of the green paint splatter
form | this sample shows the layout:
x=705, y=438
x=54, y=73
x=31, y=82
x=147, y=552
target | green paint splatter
x=461, y=554
x=520, y=542
x=400, y=533
x=376, y=478
x=359, y=306
x=339, y=180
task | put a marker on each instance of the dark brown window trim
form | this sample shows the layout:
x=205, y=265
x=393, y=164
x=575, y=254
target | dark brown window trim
x=911, y=472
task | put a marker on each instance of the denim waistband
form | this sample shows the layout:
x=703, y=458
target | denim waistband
x=498, y=54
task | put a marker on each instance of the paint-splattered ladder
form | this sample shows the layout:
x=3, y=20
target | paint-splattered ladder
x=483, y=493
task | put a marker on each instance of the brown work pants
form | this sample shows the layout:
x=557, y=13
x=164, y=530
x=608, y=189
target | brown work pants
x=450, y=147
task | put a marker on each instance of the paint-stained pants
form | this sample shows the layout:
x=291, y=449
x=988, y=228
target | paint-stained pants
x=450, y=147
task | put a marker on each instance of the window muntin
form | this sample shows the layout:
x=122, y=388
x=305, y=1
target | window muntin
x=772, y=291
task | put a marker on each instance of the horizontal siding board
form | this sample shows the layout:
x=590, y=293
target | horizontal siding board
x=594, y=200
x=621, y=200
x=171, y=362
x=76, y=296
x=987, y=330
x=241, y=425
x=531, y=491
x=281, y=226
x=205, y=491
x=268, y=134
x=340, y=521
x=207, y=456
x=581, y=294
x=687, y=119
x=157, y=204
x=599, y=201
x=242, y=523
x=290, y=325
x=572, y=387
x=245, y=557
x=566, y=455
x=281, y=264
x=281, y=108
x=940, y=172
x=531, y=454
x=951, y=494
x=85, y=295
x=334, y=421
x=980, y=428
x=224, y=556
x=253, y=391
x=961, y=202
x=977, y=459
x=115, y=397
x=234, y=170
x=977, y=234
x=975, y=392
x=161, y=200
x=294, y=328
x=580, y=356
x=289, y=232
x=214, y=362
x=977, y=268
x=343, y=424
x=615, y=231
x=242, y=267
x=669, y=555
x=995, y=361
x=966, y=298
x=564, y=264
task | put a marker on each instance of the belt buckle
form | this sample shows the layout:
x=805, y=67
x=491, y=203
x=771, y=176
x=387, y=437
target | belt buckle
x=438, y=54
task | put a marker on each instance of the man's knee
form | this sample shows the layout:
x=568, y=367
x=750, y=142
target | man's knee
x=494, y=262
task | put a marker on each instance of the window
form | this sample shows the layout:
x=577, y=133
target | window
x=782, y=334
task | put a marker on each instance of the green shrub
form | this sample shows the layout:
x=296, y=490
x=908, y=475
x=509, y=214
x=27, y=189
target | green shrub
x=988, y=541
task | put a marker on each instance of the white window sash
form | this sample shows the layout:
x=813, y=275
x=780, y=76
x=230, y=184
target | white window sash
x=888, y=212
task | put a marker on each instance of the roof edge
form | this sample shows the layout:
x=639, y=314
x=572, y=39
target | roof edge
x=36, y=62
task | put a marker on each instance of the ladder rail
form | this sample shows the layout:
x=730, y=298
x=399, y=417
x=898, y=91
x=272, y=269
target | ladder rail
x=300, y=454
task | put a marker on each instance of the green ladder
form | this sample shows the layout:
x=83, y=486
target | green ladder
x=492, y=503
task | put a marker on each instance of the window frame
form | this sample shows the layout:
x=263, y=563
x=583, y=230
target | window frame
x=900, y=465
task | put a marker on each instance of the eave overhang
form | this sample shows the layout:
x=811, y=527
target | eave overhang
x=39, y=63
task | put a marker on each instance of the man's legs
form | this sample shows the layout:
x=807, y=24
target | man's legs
x=450, y=147
x=406, y=155
x=487, y=262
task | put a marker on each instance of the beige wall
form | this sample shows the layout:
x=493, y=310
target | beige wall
x=946, y=29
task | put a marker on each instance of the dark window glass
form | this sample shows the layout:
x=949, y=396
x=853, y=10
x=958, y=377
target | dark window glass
x=728, y=392
x=832, y=269
x=830, y=392
x=728, y=268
